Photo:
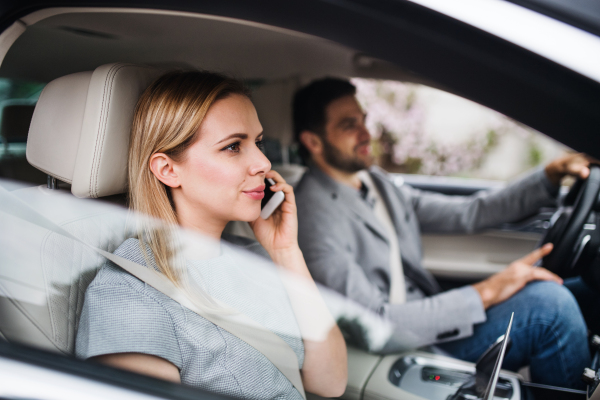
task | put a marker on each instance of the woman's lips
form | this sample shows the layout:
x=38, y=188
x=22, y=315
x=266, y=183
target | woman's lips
x=257, y=193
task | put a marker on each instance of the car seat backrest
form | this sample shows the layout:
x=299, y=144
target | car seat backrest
x=44, y=275
x=93, y=126
x=79, y=134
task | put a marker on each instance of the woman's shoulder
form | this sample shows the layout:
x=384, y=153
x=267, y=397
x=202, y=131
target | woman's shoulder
x=114, y=288
x=111, y=274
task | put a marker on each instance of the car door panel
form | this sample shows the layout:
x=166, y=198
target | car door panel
x=474, y=257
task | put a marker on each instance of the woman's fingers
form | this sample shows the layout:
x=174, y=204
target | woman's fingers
x=280, y=184
x=537, y=254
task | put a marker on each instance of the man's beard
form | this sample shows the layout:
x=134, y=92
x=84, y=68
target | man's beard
x=334, y=157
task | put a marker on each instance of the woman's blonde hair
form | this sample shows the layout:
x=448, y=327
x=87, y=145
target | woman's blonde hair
x=166, y=120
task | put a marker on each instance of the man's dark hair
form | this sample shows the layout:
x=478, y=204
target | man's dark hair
x=310, y=103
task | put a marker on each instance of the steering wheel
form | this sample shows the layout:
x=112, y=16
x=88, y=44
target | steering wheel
x=575, y=229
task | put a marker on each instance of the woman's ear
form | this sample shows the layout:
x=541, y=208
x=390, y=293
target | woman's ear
x=162, y=166
x=312, y=142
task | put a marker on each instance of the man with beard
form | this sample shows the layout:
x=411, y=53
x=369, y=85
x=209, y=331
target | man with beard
x=360, y=235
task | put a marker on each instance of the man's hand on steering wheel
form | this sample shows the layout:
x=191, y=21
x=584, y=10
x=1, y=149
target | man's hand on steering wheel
x=503, y=285
x=576, y=165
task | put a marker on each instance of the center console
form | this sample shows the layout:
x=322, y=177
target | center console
x=436, y=378
x=420, y=375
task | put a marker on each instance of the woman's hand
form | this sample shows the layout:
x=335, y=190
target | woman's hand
x=279, y=232
x=325, y=370
x=503, y=285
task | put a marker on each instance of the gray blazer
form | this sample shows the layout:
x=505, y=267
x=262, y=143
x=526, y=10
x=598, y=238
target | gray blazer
x=346, y=248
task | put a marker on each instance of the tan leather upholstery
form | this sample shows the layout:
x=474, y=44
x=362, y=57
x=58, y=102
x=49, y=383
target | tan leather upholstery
x=44, y=275
x=56, y=126
x=80, y=135
x=101, y=166
x=80, y=128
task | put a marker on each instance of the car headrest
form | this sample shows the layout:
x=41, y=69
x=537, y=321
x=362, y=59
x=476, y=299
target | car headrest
x=80, y=128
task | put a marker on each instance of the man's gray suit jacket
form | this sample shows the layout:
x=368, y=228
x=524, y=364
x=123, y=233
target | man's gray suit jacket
x=346, y=247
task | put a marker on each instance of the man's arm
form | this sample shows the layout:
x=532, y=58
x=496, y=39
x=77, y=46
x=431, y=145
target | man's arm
x=521, y=198
x=468, y=214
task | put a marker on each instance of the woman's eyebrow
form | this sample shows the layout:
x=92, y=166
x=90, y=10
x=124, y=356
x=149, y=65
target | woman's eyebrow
x=234, y=135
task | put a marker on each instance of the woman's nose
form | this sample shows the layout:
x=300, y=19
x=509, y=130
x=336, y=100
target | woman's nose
x=260, y=163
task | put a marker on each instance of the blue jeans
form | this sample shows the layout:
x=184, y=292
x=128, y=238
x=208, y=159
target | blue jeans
x=549, y=334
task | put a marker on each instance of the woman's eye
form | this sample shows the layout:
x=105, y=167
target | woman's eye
x=260, y=144
x=235, y=147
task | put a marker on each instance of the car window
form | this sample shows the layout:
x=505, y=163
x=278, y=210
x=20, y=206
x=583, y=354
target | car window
x=17, y=101
x=417, y=129
x=54, y=247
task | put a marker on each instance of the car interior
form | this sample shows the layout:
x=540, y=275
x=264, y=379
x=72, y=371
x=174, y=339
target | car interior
x=95, y=63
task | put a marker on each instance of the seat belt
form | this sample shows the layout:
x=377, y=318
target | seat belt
x=240, y=325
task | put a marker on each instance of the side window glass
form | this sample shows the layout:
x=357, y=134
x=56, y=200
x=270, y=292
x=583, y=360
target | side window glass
x=420, y=130
x=17, y=102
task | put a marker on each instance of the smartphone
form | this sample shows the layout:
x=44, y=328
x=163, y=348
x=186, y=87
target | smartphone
x=271, y=201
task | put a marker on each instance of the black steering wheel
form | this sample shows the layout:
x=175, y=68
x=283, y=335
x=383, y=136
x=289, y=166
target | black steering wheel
x=574, y=230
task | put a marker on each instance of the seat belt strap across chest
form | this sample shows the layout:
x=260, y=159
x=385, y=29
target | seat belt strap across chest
x=246, y=329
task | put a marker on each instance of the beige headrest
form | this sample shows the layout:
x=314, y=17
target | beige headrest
x=80, y=128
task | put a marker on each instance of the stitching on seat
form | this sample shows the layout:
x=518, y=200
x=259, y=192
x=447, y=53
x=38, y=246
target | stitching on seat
x=96, y=158
x=33, y=321
x=46, y=283
x=95, y=149
x=100, y=134
x=104, y=123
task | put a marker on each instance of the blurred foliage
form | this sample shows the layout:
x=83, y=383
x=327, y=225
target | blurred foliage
x=535, y=154
x=400, y=142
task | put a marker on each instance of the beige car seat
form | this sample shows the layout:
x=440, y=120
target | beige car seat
x=79, y=135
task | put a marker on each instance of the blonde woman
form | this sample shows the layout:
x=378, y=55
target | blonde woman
x=195, y=160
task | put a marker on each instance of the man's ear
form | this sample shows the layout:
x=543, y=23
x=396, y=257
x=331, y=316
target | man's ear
x=162, y=166
x=312, y=142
